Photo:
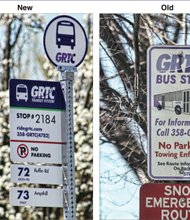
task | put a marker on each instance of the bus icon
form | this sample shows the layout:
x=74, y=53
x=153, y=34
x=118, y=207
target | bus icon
x=65, y=34
x=177, y=101
x=21, y=92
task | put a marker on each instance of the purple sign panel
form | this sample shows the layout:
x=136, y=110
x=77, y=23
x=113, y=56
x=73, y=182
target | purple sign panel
x=36, y=94
x=169, y=112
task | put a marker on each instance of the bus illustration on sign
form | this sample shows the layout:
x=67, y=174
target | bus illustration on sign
x=21, y=92
x=177, y=101
x=65, y=34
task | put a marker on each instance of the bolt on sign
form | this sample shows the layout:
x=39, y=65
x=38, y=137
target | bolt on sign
x=36, y=174
x=169, y=112
x=165, y=202
x=38, y=197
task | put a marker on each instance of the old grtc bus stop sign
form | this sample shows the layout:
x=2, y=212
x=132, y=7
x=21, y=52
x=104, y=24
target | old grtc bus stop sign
x=65, y=41
x=169, y=112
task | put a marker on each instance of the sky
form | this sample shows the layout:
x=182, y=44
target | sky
x=119, y=188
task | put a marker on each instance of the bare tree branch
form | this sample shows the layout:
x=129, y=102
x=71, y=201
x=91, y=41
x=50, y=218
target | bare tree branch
x=123, y=115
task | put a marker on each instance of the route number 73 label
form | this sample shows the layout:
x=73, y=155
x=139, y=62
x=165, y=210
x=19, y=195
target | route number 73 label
x=23, y=194
x=37, y=197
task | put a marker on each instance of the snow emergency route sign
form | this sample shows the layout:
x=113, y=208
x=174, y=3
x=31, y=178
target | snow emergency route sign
x=169, y=112
x=37, y=121
x=165, y=201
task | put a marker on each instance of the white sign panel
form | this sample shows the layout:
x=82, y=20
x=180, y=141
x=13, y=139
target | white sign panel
x=37, y=121
x=37, y=197
x=65, y=41
x=169, y=112
x=36, y=174
x=34, y=125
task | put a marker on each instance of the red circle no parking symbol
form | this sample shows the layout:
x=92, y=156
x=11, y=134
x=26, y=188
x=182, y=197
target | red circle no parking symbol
x=22, y=151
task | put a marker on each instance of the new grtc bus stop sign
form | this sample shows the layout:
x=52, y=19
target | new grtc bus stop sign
x=65, y=41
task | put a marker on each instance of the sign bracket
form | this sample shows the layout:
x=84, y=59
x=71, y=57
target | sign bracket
x=65, y=175
x=67, y=74
x=64, y=69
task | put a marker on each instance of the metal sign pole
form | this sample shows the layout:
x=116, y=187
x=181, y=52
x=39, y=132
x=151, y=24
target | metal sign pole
x=67, y=75
x=66, y=53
